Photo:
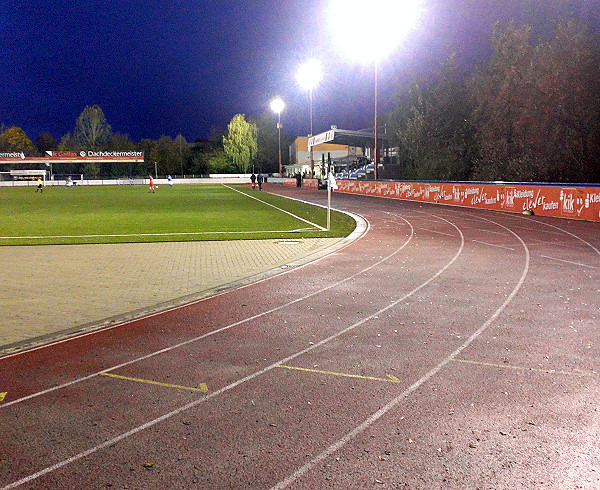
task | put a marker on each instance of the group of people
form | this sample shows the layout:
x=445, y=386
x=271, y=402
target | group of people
x=40, y=185
x=152, y=186
x=257, y=180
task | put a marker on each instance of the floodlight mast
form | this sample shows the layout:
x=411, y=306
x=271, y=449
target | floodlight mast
x=309, y=75
x=399, y=18
x=277, y=105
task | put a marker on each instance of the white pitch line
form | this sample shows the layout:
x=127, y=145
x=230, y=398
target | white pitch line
x=279, y=209
x=156, y=234
x=194, y=403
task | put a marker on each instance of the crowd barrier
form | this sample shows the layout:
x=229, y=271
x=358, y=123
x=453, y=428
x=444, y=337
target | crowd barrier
x=575, y=201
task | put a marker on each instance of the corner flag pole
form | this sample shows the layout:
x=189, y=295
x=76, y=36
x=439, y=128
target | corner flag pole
x=331, y=184
x=328, y=203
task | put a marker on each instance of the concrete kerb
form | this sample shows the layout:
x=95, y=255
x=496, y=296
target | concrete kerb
x=319, y=248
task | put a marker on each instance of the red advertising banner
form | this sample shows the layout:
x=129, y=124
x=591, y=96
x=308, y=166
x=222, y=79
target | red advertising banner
x=577, y=202
x=87, y=156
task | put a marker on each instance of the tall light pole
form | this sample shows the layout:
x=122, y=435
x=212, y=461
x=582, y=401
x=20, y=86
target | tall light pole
x=375, y=156
x=277, y=105
x=391, y=21
x=309, y=75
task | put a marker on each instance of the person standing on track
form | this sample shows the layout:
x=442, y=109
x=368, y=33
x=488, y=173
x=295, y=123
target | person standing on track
x=260, y=181
x=253, y=179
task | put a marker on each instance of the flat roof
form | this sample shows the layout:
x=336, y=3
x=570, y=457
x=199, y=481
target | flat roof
x=363, y=137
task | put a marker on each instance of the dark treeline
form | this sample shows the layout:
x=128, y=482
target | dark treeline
x=164, y=156
x=528, y=113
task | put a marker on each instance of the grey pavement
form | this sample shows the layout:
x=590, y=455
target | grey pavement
x=51, y=292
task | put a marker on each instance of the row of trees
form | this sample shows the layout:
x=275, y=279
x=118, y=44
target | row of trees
x=244, y=145
x=531, y=112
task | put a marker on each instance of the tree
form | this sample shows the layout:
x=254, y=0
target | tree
x=564, y=115
x=220, y=164
x=15, y=139
x=120, y=141
x=166, y=155
x=67, y=142
x=45, y=142
x=267, y=156
x=182, y=153
x=240, y=145
x=91, y=129
x=91, y=170
x=503, y=93
x=435, y=131
x=149, y=147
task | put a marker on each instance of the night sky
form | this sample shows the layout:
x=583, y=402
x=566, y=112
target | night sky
x=181, y=66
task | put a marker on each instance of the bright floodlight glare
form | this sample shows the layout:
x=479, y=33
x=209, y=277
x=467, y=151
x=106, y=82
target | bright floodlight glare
x=309, y=74
x=389, y=22
x=277, y=105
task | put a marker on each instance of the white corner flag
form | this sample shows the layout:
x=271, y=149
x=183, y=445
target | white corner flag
x=331, y=185
x=332, y=182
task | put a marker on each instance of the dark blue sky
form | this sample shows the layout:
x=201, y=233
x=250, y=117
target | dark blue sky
x=183, y=66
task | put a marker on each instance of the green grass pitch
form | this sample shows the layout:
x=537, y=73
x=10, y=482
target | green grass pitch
x=115, y=214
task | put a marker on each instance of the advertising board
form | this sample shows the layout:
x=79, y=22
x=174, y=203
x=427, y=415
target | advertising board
x=568, y=201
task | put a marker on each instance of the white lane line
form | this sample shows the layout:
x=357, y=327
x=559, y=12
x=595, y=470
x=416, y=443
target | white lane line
x=435, y=231
x=194, y=403
x=195, y=339
x=484, y=231
x=275, y=207
x=396, y=401
x=569, y=262
x=286, y=360
x=493, y=245
x=573, y=235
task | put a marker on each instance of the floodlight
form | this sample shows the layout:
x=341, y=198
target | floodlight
x=309, y=74
x=277, y=105
x=391, y=20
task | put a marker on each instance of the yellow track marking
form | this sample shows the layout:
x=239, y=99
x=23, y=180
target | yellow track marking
x=2, y=395
x=521, y=368
x=203, y=388
x=390, y=377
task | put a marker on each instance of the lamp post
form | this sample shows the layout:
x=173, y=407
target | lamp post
x=391, y=21
x=309, y=75
x=277, y=105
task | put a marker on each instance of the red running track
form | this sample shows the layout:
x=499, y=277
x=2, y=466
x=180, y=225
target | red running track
x=446, y=348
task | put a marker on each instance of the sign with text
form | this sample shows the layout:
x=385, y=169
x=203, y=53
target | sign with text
x=85, y=156
x=578, y=202
x=321, y=138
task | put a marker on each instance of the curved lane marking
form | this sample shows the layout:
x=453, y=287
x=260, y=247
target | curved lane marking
x=402, y=396
x=201, y=337
x=252, y=376
x=197, y=402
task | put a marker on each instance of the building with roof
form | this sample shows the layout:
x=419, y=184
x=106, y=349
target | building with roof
x=300, y=155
